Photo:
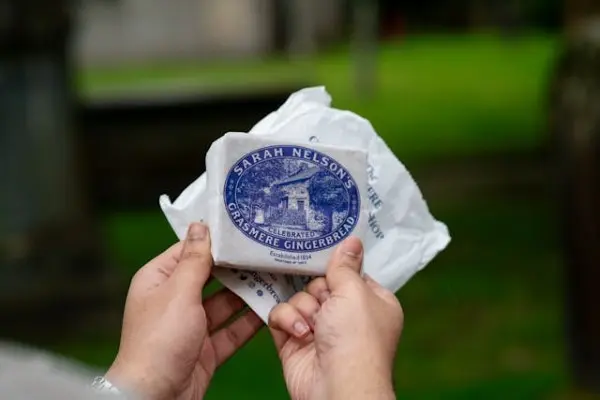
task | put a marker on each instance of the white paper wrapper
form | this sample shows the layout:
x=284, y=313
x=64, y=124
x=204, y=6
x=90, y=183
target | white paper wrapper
x=402, y=238
x=281, y=206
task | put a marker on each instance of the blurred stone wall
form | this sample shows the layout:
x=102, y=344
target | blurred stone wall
x=113, y=31
x=117, y=31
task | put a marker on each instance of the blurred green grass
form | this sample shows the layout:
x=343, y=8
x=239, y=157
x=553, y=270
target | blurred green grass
x=484, y=320
x=437, y=95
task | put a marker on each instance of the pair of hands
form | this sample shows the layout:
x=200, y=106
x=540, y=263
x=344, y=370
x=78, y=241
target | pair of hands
x=336, y=340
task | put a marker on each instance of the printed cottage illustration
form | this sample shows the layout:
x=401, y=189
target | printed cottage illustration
x=291, y=195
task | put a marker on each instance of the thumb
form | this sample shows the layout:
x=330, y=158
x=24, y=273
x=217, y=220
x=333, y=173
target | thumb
x=195, y=262
x=345, y=264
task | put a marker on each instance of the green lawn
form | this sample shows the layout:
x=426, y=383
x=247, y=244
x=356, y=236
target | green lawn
x=482, y=320
x=436, y=94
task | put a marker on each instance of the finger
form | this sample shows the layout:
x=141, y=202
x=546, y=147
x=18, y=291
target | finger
x=307, y=305
x=372, y=283
x=195, y=262
x=280, y=336
x=231, y=338
x=379, y=290
x=345, y=264
x=167, y=261
x=285, y=320
x=318, y=289
x=158, y=270
x=220, y=307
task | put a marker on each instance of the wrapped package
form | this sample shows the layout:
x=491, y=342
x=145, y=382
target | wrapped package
x=279, y=206
x=402, y=236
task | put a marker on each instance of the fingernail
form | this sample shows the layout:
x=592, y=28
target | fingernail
x=352, y=247
x=301, y=328
x=324, y=296
x=197, y=231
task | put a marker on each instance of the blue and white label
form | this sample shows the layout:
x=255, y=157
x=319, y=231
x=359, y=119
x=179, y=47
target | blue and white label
x=292, y=198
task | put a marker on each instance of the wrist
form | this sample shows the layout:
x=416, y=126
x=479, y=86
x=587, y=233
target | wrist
x=137, y=381
x=374, y=387
x=364, y=377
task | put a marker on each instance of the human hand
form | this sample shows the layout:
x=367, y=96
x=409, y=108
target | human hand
x=172, y=341
x=338, y=339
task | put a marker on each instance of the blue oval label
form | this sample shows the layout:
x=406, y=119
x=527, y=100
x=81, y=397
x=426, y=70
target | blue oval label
x=292, y=198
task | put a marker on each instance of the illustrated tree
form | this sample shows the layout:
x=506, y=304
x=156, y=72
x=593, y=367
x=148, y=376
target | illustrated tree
x=273, y=196
x=327, y=195
x=294, y=167
x=251, y=188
